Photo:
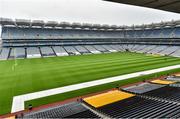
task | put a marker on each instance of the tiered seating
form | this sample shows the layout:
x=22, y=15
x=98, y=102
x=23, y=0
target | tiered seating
x=134, y=48
x=92, y=49
x=148, y=103
x=100, y=48
x=167, y=32
x=157, y=49
x=60, y=51
x=46, y=51
x=73, y=109
x=11, y=117
x=177, y=32
x=141, y=47
x=84, y=114
x=173, y=78
x=147, y=49
x=177, y=75
x=4, y=53
x=38, y=33
x=109, y=97
x=169, y=50
x=124, y=46
x=130, y=47
x=117, y=47
x=157, y=33
x=142, y=88
x=137, y=107
x=82, y=50
x=17, y=53
x=109, y=48
x=176, y=53
x=118, y=104
x=165, y=82
x=167, y=92
x=147, y=33
x=33, y=52
x=71, y=50
x=83, y=41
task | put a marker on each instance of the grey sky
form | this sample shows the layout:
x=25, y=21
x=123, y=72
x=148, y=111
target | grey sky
x=90, y=11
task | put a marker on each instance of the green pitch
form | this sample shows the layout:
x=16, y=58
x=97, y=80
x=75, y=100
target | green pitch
x=30, y=75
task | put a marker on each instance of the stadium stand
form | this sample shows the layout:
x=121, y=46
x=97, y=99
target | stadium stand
x=60, y=51
x=144, y=100
x=4, y=53
x=157, y=50
x=169, y=50
x=142, y=88
x=173, y=78
x=82, y=50
x=137, y=107
x=150, y=102
x=40, y=39
x=71, y=50
x=147, y=49
x=100, y=48
x=117, y=47
x=92, y=49
x=73, y=109
x=12, y=117
x=109, y=97
x=163, y=82
x=47, y=51
x=33, y=52
x=141, y=48
x=175, y=85
x=109, y=48
x=167, y=93
x=177, y=75
x=17, y=53
x=176, y=53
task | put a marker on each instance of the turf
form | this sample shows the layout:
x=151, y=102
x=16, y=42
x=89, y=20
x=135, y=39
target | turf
x=31, y=75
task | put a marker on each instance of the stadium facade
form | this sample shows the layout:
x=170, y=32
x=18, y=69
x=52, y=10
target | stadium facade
x=30, y=39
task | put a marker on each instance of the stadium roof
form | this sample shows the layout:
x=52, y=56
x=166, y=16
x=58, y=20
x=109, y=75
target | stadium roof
x=22, y=22
x=55, y=24
x=167, y=5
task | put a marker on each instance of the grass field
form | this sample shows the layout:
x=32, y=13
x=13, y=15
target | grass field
x=31, y=75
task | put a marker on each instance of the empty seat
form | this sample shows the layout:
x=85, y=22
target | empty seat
x=73, y=109
x=82, y=49
x=47, y=51
x=167, y=92
x=92, y=49
x=60, y=51
x=33, y=52
x=17, y=53
x=4, y=53
x=142, y=88
x=109, y=48
x=100, y=48
x=137, y=107
x=71, y=50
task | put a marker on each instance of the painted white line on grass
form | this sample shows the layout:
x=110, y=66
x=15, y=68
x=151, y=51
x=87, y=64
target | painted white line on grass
x=18, y=101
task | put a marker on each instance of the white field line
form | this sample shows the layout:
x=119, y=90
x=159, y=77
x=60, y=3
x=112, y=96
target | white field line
x=18, y=101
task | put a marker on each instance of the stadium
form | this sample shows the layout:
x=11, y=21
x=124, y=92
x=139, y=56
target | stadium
x=54, y=69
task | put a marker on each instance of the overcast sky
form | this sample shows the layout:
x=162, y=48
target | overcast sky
x=90, y=11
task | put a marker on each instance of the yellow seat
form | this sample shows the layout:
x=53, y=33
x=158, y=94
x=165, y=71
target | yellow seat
x=177, y=75
x=12, y=117
x=158, y=81
x=107, y=98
